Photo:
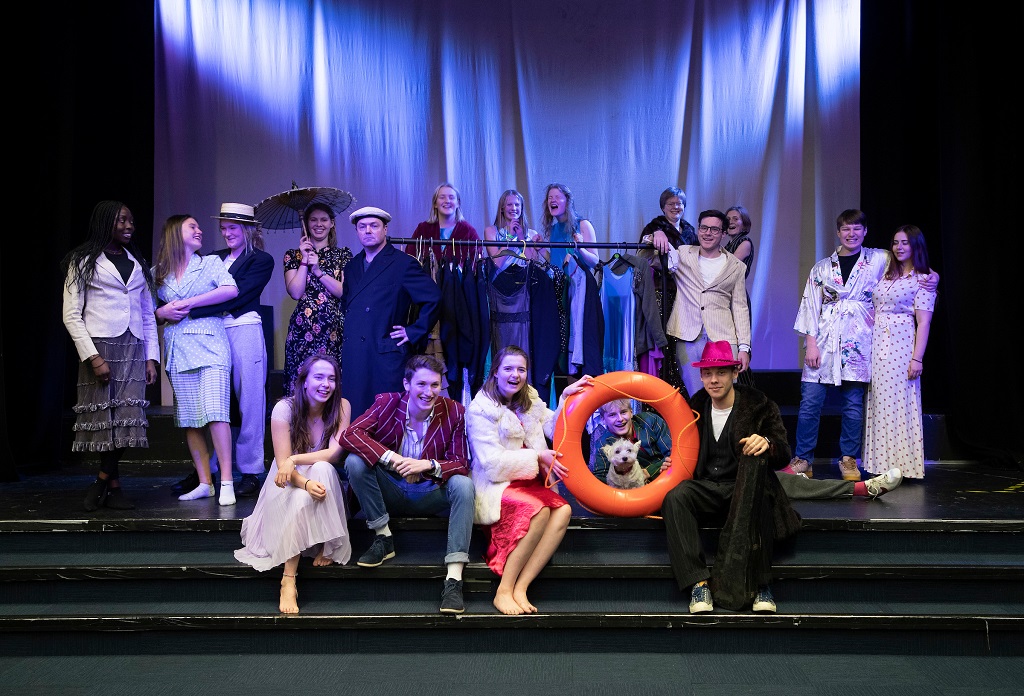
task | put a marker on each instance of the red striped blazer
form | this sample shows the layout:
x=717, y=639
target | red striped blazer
x=382, y=428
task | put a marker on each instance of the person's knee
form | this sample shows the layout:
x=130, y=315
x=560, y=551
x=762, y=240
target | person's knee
x=356, y=467
x=460, y=489
x=320, y=470
x=561, y=516
x=678, y=497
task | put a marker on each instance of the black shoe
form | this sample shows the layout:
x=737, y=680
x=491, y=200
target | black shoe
x=248, y=487
x=115, y=500
x=382, y=548
x=187, y=484
x=95, y=494
x=451, y=597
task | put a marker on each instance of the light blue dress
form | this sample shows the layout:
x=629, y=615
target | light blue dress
x=197, y=355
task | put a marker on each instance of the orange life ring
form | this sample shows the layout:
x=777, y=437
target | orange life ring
x=598, y=496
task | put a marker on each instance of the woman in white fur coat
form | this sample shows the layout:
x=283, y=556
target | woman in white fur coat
x=508, y=426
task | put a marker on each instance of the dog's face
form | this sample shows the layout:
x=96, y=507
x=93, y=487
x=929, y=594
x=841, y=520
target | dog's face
x=621, y=452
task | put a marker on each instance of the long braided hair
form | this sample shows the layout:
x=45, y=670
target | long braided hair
x=79, y=264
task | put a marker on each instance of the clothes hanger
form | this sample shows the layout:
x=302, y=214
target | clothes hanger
x=515, y=253
x=620, y=258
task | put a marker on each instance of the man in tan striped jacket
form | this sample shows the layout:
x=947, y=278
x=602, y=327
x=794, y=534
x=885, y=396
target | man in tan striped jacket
x=711, y=299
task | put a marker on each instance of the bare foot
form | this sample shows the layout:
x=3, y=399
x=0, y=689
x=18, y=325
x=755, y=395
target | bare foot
x=506, y=605
x=322, y=560
x=521, y=599
x=289, y=596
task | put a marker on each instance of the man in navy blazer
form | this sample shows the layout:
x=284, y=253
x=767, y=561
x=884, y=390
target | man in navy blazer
x=390, y=304
x=409, y=455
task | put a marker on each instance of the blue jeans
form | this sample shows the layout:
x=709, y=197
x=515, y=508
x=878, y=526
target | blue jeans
x=380, y=493
x=812, y=398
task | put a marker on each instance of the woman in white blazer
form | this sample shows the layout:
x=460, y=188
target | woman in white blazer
x=508, y=427
x=108, y=311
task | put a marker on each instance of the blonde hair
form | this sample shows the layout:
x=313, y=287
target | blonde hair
x=171, y=254
x=502, y=222
x=458, y=203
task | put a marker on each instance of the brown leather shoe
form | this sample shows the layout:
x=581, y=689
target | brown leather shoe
x=798, y=466
x=848, y=468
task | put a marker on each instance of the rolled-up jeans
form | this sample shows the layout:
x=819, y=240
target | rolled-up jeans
x=382, y=493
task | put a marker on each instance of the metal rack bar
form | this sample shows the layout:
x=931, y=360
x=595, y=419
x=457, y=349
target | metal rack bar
x=510, y=245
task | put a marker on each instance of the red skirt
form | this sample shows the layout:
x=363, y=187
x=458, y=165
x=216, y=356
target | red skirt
x=520, y=501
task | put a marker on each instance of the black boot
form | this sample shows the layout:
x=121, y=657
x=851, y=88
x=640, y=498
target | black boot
x=95, y=494
x=115, y=500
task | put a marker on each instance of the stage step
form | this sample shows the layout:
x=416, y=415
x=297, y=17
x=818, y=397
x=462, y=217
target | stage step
x=172, y=583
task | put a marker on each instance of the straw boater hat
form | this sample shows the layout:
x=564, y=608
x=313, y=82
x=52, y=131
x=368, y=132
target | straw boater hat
x=717, y=354
x=370, y=211
x=239, y=212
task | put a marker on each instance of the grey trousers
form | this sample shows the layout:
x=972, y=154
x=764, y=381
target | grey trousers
x=249, y=383
x=800, y=488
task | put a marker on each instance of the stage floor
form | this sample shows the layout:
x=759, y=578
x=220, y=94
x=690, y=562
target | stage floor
x=952, y=490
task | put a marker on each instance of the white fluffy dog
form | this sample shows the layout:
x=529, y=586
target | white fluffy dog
x=623, y=469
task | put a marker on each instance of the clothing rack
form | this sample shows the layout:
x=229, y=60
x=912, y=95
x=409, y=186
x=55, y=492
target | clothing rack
x=510, y=244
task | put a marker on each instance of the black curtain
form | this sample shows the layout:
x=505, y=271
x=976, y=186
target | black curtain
x=84, y=112
x=940, y=148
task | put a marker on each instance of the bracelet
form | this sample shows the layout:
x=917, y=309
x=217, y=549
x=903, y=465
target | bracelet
x=92, y=360
x=306, y=484
x=917, y=361
x=318, y=277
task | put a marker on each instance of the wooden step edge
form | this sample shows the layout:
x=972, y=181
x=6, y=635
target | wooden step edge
x=479, y=572
x=178, y=524
x=987, y=624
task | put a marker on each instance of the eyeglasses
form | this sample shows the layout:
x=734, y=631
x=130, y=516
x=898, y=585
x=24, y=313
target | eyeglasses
x=705, y=228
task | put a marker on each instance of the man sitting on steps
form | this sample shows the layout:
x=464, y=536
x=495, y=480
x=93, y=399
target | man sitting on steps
x=409, y=456
x=742, y=441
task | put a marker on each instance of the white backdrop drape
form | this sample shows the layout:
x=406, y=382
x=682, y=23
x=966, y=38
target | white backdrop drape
x=749, y=102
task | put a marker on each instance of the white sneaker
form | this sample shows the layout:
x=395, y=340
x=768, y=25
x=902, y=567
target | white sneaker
x=883, y=483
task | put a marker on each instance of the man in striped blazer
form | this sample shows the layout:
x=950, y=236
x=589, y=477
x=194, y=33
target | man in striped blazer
x=711, y=299
x=408, y=455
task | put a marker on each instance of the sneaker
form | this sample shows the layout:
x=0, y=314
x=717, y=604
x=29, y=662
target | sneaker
x=764, y=600
x=700, y=599
x=248, y=487
x=382, y=548
x=883, y=483
x=848, y=468
x=798, y=466
x=451, y=597
x=187, y=484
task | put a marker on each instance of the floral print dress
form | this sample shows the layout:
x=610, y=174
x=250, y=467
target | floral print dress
x=317, y=323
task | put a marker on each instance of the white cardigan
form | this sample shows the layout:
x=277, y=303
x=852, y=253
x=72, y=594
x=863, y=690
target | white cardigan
x=496, y=440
